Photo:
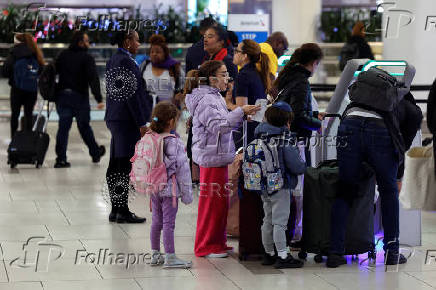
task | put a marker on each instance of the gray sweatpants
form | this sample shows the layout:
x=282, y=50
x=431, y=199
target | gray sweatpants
x=277, y=209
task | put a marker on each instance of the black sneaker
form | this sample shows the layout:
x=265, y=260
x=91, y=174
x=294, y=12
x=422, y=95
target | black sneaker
x=395, y=258
x=62, y=164
x=334, y=261
x=101, y=152
x=269, y=260
x=288, y=263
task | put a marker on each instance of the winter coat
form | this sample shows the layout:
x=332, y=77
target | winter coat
x=127, y=99
x=212, y=125
x=291, y=163
x=297, y=93
x=176, y=162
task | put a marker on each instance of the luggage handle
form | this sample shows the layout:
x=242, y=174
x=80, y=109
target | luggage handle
x=49, y=110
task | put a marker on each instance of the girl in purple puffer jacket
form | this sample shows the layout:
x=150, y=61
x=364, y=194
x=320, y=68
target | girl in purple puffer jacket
x=164, y=120
x=213, y=149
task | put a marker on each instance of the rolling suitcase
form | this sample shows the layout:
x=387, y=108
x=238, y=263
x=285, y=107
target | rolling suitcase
x=30, y=147
x=250, y=220
x=321, y=186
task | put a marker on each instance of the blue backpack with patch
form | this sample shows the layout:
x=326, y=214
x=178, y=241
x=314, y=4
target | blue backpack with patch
x=26, y=74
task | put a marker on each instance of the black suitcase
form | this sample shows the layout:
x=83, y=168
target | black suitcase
x=320, y=189
x=250, y=219
x=30, y=147
x=250, y=223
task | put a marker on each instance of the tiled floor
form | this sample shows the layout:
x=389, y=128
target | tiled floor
x=67, y=209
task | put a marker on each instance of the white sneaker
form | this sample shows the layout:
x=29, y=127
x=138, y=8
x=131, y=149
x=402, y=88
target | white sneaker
x=218, y=255
x=157, y=259
x=171, y=261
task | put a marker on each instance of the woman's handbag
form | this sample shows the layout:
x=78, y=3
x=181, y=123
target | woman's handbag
x=419, y=183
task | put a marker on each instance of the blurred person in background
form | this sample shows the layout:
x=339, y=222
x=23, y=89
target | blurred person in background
x=163, y=74
x=22, y=67
x=356, y=47
x=77, y=72
x=274, y=47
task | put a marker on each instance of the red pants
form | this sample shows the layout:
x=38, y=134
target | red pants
x=213, y=206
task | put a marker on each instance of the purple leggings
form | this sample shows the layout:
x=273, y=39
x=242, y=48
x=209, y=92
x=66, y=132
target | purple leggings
x=163, y=218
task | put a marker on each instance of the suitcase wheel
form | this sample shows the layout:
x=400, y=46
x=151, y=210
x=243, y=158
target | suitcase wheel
x=243, y=257
x=13, y=165
x=318, y=258
x=38, y=165
x=302, y=255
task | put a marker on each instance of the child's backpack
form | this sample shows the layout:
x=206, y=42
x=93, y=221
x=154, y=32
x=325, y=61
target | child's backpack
x=26, y=74
x=261, y=168
x=149, y=174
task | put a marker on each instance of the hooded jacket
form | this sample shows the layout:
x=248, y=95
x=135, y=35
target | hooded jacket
x=291, y=163
x=17, y=51
x=212, y=126
x=295, y=90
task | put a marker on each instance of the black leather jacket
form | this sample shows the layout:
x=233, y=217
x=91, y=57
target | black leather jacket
x=294, y=88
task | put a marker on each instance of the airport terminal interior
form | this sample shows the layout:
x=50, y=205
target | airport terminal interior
x=60, y=227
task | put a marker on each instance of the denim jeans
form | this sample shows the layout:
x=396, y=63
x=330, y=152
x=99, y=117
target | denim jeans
x=366, y=140
x=67, y=110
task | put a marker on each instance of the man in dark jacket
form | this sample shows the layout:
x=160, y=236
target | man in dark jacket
x=77, y=71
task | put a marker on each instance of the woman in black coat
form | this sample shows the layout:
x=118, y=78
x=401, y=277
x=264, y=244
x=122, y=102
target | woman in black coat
x=128, y=109
x=294, y=88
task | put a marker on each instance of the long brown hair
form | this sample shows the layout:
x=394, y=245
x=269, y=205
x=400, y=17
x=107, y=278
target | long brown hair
x=307, y=53
x=161, y=116
x=191, y=81
x=252, y=49
x=31, y=44
x=358, y=29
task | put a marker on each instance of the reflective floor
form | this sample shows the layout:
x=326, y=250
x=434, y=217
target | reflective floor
x=65, y=213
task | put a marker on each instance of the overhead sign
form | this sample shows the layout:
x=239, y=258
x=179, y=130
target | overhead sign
x=249, y=26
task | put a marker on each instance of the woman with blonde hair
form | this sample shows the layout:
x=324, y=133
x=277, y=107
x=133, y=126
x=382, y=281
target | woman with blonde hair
x=22, y=67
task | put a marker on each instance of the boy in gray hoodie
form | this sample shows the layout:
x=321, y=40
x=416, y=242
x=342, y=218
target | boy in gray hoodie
x=277, y=206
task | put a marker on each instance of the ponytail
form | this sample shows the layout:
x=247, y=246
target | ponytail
x=192, y=81
x=264, y=71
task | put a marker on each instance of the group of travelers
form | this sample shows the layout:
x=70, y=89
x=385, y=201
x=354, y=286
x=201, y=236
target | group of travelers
x=221, y=92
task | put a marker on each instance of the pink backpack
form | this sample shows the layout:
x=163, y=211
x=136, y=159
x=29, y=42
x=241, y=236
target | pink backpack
x=149, y=174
